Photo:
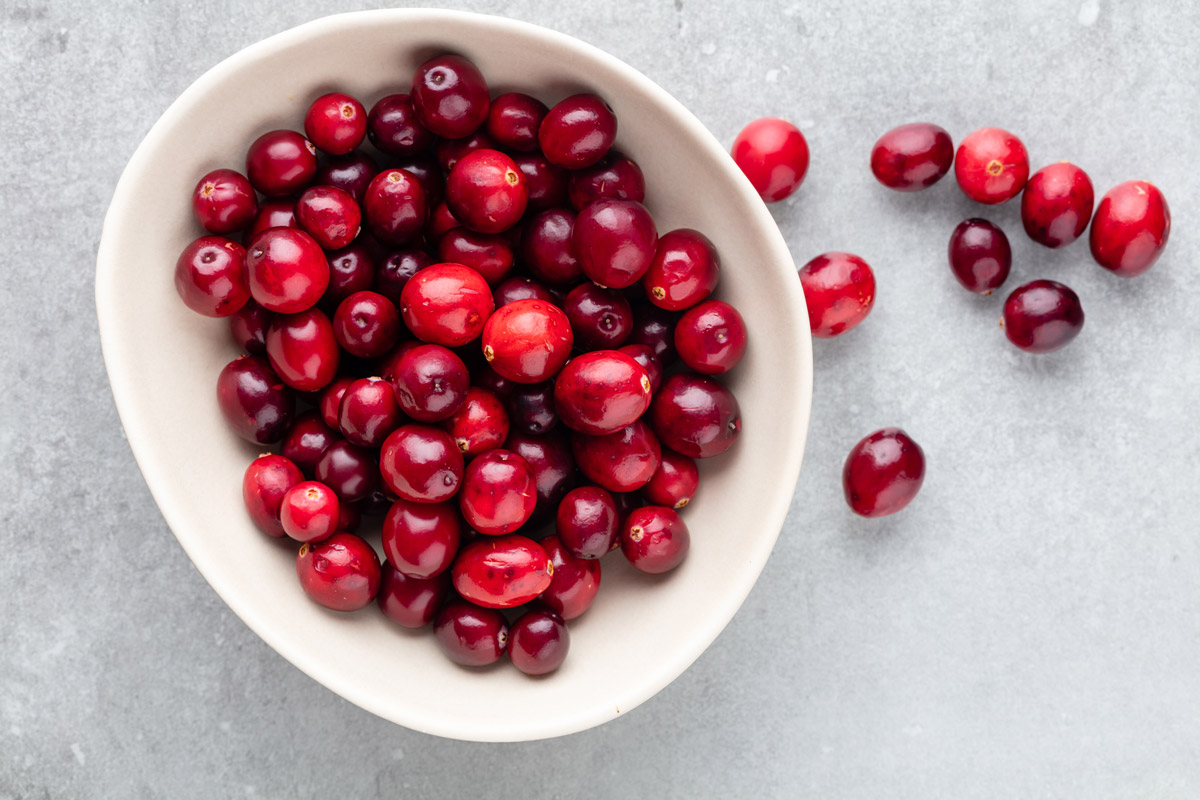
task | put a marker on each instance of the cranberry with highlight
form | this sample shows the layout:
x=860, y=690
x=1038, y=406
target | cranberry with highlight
x=655, y=328
x=266, y=481
x=575, y=582
x=601, y=319
x=469, y=635
x=623, y=461
x=257, y=405
x=421, y=539
x=329, y=401
x=480, y=423
x=274, y=212
x=883, y=473
x=1042, y=316
x=498, y=492
x=491, y=255
x=336, y=123
x=980, y=256
x=486, y=192
x=302, y=349
x=839, y=289
x=616, y=176
x=773, y=154
x=655, y=539
x=341, y=573
x=446, y=304
x=309, y=512
x=991, y=166
x=1130, y=228
x=518, y=288
x=513, y=121
x=411, y=602
x=1057, y=204
x=368, y=412
x=307, y=440
x=450, y=96
x=248, y=326
x=395, y=207
x=224, y=202
x=329, y=215
x=711, y=337
x=644, y=355
x=210, y=276
x=281, y=162
x=421, y=463
x=397, y=270
x=349, y=470
x=675, y=481
x=286, y=269
x=527, y=341
x=554, y=473
x=578, y=131
x=547, y=250
x=351, y=173
x=394, y=128
x=431, y=383
x=614, y=242
x=695, y=416
x=547, y=183
x=351, y=269
x=502, y=571
x=538, y=642
x=684, y=270
x=601, y=392
x=912, y=157
x=586, y=522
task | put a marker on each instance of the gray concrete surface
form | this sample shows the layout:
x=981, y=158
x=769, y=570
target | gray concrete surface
x=1030, y=627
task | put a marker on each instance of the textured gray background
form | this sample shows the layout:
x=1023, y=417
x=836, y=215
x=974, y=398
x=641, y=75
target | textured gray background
x=1028, y=628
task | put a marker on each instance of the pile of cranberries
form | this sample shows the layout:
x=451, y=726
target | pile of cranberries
x=475, y=331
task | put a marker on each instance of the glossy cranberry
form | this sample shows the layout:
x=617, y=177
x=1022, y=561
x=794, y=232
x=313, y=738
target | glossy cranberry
x=501, y=571
x=421, y=463
x=601, y=392
x=488, y=254
x=1057, y=204
x=366, y=324
x=329, y=401
x=349, y=517
x=280, y=163
x=248, y=326
x=368, y=412
x=307, y=440
x=469, y=635
x=912, y=157
x=1042, y=316
x=644, y=356
x=450, y=151
x=336, y=123
x=623, y=461
x=554, y=473
x=446, y=304
x=351, y=173
x=330, y=216
x=839, y=289
x=655, y=539
x=601, y=319
x=431, y=383
x=773, y=155
x=421, y=539
x=616, y=176
x=394, y=128
x=684, y=270
x=586, y=522
x=224, y=202
x=480, y=423
x=287, y=270
x=575, y=582
x=309, y=512
x=411, y=602
x=210, y=276
x=486, y=192
x=498, y=492
x=991, y=166
x=578, y=131
x=274, y=212
x=349, y=470
x=883, y=473
x=302, y=349
x=256, y=404
x=538, y=642
x=547, y=250
x=695, y=416
x=547, y=184
x=655, y=328
x=266, y=481
x=527, y=341
x=980, y=256
x=614, y=242
x=513, y=121
x=675, y=481
x=711, y=338
x=341, y=573
x=450, y=96
x=518, y=288
x=397, y=269
x=1131, y=228
x=395, y=207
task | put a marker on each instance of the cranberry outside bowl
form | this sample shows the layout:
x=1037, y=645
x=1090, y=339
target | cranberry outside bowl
x=163, y=362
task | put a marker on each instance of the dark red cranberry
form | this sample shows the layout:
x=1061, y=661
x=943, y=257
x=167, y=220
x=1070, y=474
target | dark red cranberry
x=411, y=602
x=441, y=221
x=614, y=242
x=547, y=250
x=578, y=131
x=431, y=383
x=655, y=539
x=446, y=304
x=513, y=121
x=309, y=512
x=450, y=96
x=531, y=407
x=486, y=191
x=307, y=440
x=527, y=341
x=1042, y=316
x=267, y=480
x=695, y=416
x=349, y=470
x=349, y=516
x=394, y=128
x=684, y=270
x=980, y=256
x=341, y=573
x=329, y=401
x=248, y=326
x=615, y=176
x=501, y=571
x=675, y=481
x=643, y=355
x=601, y=392
x=1131, y=228
x=575, y=582
x=547, y=183
x=487, y=378
x=517, y=288
x=655, y=328
x=773, y=154
x=991, y=166
x=480, y=423
x=421, y=539
x=336, y=123
x=287, y=270
x=224, y=202
x=498, y=492
x=601, y=319
x=554, y=474
x=469, y=635
x=711, y=338
x=623, y=461
x=395, y=207
x=351, y=269
x=366, y=324
x=1057, y=204
x=351, y=173
x=397, y=269
x=368, y=412
x=387, y=366
x=883, y=473
x=586, y=522
x=839, y=289
x=257, y=405
x=280, y=163
x=538, y=642
x=429, y=174
x=210, y=276
x=421, y=463
x=302, y=349
x=912, y=157
x=449, y=151
x=274, y=212
x=329, y=215
x=488, y=254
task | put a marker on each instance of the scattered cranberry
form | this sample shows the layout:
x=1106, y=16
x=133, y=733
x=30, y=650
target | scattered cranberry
x=601, y=319
x=329, y=401
x=349, y=470
x=450, y=96
x=695, y=416
x=411, y=602
x=883, y=473
x=980, y=256
x=513, y=121
x=307, y=440
x=527, y=341
x=1042, y=316
x=538, y=642
x=351, y=269
x=257, y=405
x=486, y=191
x=394, y=128
x=547, y=183
x=341, y=573
x=1131, y=228
x=601, y=392
x=309, y=512
x=531, y=407
x=586, y=522
x=578, y=131
x=614, y=242
x=446, y=304
x=615, y=175
x=991, y=166
x=210, y=276
x=351, y=173
x=303, y=350
x=421, y=539
x=518, y=288
x=469, y=635
x=547, y=250
x=421, y=463
x=549, y=455
x=267, y=480
x=368, y=412
x=480, y=423
x=839, y=289
x=675, y=481
x=655, y=539
x=280, y=163
x=575, y=582
x=912, y=157
x=773, y=155
x=248, y=326
x=431, y=383
x=498, y=492
x=490, y=255
x=644, y=356
x=1057, y=204
x=501, y=571
x=224, y=202
x=336, y=123
x=623, y=461
x=274, y=212
x=397, y=270
x=330, y=216
x=711, y=337
x=684, y=270
x=286, y=269
x=395, y=207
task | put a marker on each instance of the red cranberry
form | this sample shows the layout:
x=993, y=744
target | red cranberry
x=1042, y=316
x=547, y=250
x=480, y=423
x=498, y=492
x=281, y=162
x=883, y=473
x=980, y=256
x=695, y=416
x=450, y=96
x=839, y=289
x=351, y=269
x=644, y=356
x=527, y=341
x=991, y=166
x=307, y=440
x=411, y=602
x=575, y=582
x=655, y=328
x=501, y=572
x=684, y=270
x=1131, y=228
x=450, y=151
x=341, y=573
x=303, y=350
x=469, y=635
x=601, y=319
x=601, y=392
x=912, y=157
x=248, y=326
x=431, y=383
x=1057, y=204
x=773, y=155
x=446, y=304
x=224, y=202
x=486, y=191
x=549, y=455
x=309, y=512
x=655, y=539
x=513, y=121
x=486, y=377
x=614, y=242
x=366, y=324
x=488, y=254
x=397, y=269
x=675, y=481
x=531, y=407
x=267, y=480
x=394, y=128
x=274, y=212
x=441, y=222
x=615, y=176
x=711, y=337
x=287, y=270
x=517, y=288
x=623, y=461
x=421, y=463
x=421, y=539
x=368, y=412
x=351, y=173
x=255, y=403
x=329, y=402
x=329, y=215
x=538, y=642
x=349, y=470
x=395, y=207
x=586, y=522
x=578, y=131
x=210, y=276
x=336, y=123
x=547, y=183
x=428, y=174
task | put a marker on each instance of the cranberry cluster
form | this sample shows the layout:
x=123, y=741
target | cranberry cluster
x=490, y=336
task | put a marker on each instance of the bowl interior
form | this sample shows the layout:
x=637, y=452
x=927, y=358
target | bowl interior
x=163, y=361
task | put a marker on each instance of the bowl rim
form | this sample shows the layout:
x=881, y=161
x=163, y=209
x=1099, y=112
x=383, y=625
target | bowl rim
x=124, y=377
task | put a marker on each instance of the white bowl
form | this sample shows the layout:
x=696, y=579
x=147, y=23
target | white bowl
x=163, y=361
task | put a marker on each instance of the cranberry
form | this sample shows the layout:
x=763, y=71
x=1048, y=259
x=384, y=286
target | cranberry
x=351, y=173
x=655, y=539
x=480, y=423
x=351, y=269
x=307, y=441
x=281, y=162
x=773, y=155
x=614, y=242
x=711, y=337
x=991, y=166
x=578, y=131
x=695, y=416
x=224, y=202
x=513, y=121
x=527, y=341
x=329, y=215
x=675, y=481
x=601, y=392
x=516, y=288
x=274, y=212
x=547, y=250
x=397, y=269
x=501, y=572
x=449, y=151
x=366, y=324
x=349, y=470
x=1131, y=228
x=655, y=328
x=450, y=96
x=309, y=512
x=623, y=461
x=912, y=157
x=411, y=602
x=336, y=123
x=210, y=276
x=368, y=412
x=684, y=270
x=538, y=642
x=255, y=403
x=469, y=635
x=267, y=480
x=980, y=256
x=429, y=174
x=554, y=474
x=341, y=573
x=446, y=304
x=615, y=176
x=395, y=207
x=486, y=191
x=421, y=463
x=329, y=401
x=575, y=582
x=883, y=473
x=1042, y=316
x=547, y=183
x=586, y=522
x=487, y=378
x=643, y=355
x=431, y=383
x=303, y=350
x=248, y=326
x=602, y=319
x=394, y=128
x=1057, y=204
x=441, y=222
x=498, y=492
x=839, y=289
x=488, y=254
x=421, y=539
x=287, y=270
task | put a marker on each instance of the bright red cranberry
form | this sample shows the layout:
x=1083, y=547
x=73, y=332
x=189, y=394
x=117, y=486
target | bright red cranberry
x=643, y=355
x=421, y=539
x=349, y=470
x=450, y=96
x=411, y=602
x=554, y=474
x=1131, y=228
x=287, y=270
x=480, y=423
x=302, y=349
x=488, y=254
x=351, y=269
x=518, y=288
x=498, y=492
x=675, y=481
x=210, y=276
x=655, y=328
x=839, y=289
x=329, y=215
x=309, y=512
x=578, y=131
x=274, y=212
x=527, y=341
x=991, y=166
x=980, y=256
x=366, y=324
x=257, y=405
x=616, y=176
x=586, y=522
x=224, y=202
x=248, y=326
x=395, y=207
x=601, y=392
x=601, y=319
x=281, y=162
x=513, y=121
x=614, y=242
x=538, y=642
x=912, y=157
x=695, y=416
x=1042, y=316
x=486, y=192
x=329, y=402
x=394, y=128
x=429, y=175
x=431, y=383
x=623, y=461
x=883, y=473
x=547, y=183
x=469, y=635
x=655, y=539
x=711, y=337
x=336, y=123
x=421, y=463
x=547, y=250
x=684, y=270
x=575, y=582
x=1057, y=204
x=307, y=440
x=446, y=304
x=502, y=571
x=368, y=412
x=531, y=407
x=267, y=480
x=341, y=573
x=773, y=155
x=397, y=269
x=351, y=173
